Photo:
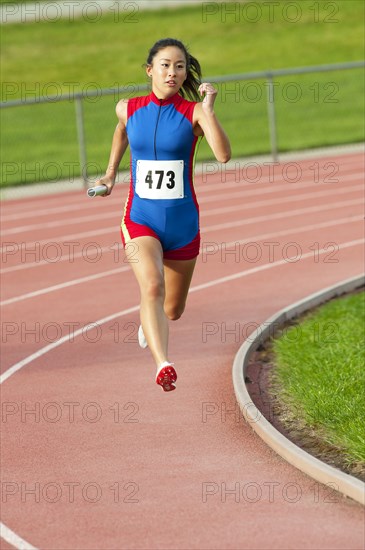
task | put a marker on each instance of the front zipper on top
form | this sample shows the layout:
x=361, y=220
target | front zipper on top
x=154, y=139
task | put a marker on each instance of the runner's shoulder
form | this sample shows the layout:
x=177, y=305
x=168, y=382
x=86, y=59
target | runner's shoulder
x=121, y=109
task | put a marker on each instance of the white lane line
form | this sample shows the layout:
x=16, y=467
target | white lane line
x=217, y=227
x=288, y=187
x=281, y=200
x=59, y=209
x=28, y=204
x=204, y=187
x=223, y=196
x=280, y=215
x=12, y=538
x=72, y=237
x=70, y=257
x=206, y=247
x=67, y=284
x=17, y=366
x=345, y=163
x=63, y=222
x=319, y=170
x=283, y=233
x=235, y=208
x=201, y=189
x=264, y=267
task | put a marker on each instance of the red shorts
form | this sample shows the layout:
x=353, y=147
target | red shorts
x=187, y=252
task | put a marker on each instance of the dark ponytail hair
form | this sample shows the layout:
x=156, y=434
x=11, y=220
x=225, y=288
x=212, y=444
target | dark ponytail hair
x=193, y=70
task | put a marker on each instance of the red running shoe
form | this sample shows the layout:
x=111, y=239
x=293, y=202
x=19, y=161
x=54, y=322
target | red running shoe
x=166, y=377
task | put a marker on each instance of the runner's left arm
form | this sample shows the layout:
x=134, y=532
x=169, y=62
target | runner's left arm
x=209, y=123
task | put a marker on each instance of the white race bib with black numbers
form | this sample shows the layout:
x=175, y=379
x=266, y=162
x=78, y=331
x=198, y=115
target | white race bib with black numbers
x=160, y=179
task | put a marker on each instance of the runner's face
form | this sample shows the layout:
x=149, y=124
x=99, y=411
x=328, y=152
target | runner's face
x=168, y=72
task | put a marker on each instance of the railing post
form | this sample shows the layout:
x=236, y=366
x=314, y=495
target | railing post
x=272, y=118
x=81, y=139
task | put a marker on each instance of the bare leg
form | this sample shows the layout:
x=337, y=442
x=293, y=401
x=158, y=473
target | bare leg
x=178, y=275
x=164, y=286
x=147, y=265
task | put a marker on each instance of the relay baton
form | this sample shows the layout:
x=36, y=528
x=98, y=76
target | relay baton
x=96, y=191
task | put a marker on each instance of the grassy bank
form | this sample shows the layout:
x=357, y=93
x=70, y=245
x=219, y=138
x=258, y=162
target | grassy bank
x=319, y=379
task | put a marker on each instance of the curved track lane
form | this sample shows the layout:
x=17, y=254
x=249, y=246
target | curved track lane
x=94, y=455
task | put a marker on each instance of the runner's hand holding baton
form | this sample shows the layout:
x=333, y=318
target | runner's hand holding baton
x=101, y=189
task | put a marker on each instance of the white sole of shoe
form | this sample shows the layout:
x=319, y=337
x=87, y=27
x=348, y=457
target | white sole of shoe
x=141, y=338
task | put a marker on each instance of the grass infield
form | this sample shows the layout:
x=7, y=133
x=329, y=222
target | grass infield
x=319, y=380
x=17, y=1
x=50, y=58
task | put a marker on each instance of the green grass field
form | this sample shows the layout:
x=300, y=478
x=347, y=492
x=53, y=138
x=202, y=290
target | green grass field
x=320, y=377
x=16, y=1
x=50, y=58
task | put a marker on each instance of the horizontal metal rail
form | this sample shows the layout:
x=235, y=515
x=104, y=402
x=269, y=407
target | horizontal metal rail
x=268, y=74
x=133, y=88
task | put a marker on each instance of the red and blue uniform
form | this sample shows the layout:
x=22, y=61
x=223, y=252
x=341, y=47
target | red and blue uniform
x=162, y=130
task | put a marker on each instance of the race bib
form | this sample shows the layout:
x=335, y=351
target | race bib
x=160, y=179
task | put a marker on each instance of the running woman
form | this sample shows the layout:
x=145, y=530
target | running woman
x=161, y=215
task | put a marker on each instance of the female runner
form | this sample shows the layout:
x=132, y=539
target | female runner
x=161, y=214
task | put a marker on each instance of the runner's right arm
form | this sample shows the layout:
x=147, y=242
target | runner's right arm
x=119, y=146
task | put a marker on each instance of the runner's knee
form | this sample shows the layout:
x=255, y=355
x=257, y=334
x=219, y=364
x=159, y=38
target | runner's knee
x=174, y=312
x=153, y=290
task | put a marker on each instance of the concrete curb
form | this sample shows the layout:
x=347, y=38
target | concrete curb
x=315, y=468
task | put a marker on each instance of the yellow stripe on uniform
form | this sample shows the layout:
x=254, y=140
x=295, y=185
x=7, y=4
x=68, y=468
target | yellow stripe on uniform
x=123, y=226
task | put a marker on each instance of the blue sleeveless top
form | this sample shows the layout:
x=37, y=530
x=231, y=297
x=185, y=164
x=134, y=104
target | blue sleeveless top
x=163, y=130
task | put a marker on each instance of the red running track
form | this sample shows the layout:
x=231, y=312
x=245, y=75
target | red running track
x=94, y=454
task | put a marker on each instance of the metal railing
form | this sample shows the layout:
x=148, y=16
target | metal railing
x=269, y=76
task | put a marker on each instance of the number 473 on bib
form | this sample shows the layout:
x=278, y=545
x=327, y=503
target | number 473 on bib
x=160, y=179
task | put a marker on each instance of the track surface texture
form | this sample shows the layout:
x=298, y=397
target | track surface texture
x=94, y=454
